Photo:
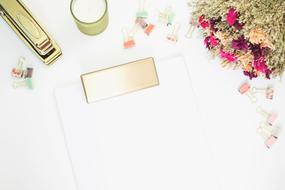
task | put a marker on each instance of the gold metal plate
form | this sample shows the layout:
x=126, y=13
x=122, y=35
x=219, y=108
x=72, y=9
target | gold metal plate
x=28, y=29
x=122, y=79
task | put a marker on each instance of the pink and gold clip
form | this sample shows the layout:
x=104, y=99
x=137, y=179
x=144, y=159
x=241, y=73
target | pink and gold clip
x=129, y=41
x=18, y=71
x=269, y=117
x=267, y=129
x=269, y=133
x=23, y=76
x=246, y=89
x=141, y=17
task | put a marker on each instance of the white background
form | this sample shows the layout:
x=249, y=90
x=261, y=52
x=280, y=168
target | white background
x=32, y=149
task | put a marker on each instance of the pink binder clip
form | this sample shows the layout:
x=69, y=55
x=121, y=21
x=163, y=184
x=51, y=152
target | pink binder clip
x=22, y=72
x=245, y=89
x=149, y=29
x=19, y=71
x=268, y=133
x=270, y=117
x=129, y=41
x=270, y=141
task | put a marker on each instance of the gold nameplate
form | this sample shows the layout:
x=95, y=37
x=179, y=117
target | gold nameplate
x=29, y=30
x=122, y=79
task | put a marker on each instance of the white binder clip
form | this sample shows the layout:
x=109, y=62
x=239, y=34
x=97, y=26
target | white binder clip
x=190, y=30
x=173, y=36
x=167, y=16
x=269, y=91
x=28, y=83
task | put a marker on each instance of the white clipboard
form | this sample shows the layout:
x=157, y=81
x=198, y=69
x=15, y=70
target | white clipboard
x=149, y=139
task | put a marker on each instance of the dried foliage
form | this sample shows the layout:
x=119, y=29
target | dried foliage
x=249, y=34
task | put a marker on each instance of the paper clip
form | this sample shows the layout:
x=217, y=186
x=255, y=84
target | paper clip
x=142, y=13
x=173, y=36
x=270, y=117
x=269, y=91
x=268, y=133
x=129, y=41
x=167, y=16
x=245, y=89
x=190, y=30
x=28, y=82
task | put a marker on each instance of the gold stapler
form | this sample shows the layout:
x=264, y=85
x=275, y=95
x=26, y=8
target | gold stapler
x=20, y=19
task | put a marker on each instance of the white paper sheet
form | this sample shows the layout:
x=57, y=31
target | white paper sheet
x=150, y=139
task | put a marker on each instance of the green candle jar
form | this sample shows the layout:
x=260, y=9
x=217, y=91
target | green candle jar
x=91, y=16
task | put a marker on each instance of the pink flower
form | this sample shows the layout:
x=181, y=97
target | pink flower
x=232, y=16
x=228, y=56
x=213, y=41
x=203, y=22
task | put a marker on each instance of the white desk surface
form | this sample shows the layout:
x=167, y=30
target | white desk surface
x=32, y=148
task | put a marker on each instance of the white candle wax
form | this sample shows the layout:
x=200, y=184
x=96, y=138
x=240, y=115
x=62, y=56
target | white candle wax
x=89, y=10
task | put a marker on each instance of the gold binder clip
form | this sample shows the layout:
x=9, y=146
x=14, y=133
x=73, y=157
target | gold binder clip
x=16, y=14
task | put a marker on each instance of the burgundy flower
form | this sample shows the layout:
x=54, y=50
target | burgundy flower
x=232, y=17
x=238, y=25
x=268, y=73
x=213, y=23
x=228, y=56
x=251, y=75
x=207, y=42
x=258, y=52
x=240, y=44
x=204, y=23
